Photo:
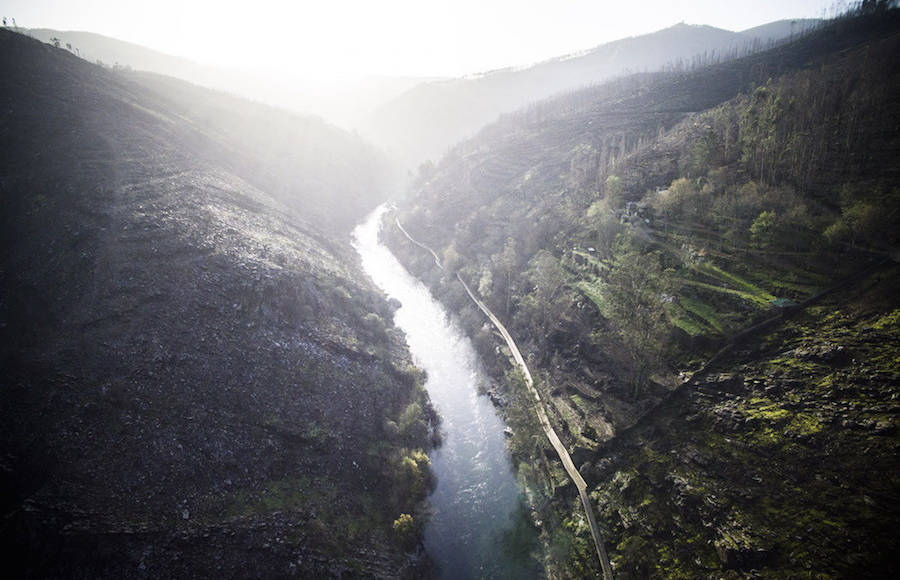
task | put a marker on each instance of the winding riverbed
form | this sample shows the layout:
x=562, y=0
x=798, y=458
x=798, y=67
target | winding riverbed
x=478, y=528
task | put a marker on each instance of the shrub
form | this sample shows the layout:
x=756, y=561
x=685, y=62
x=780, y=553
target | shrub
x=406, y=531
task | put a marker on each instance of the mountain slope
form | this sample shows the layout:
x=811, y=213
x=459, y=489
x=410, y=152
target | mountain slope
x=329, y=176
x=625, y=233
x=340, y=102
x=197, y=378
x=113, y=52
x=426, y=120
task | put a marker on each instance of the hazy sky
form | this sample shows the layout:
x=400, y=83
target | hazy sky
x=326, y=38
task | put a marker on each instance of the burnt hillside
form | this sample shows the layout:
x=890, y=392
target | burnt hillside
x=196, y=377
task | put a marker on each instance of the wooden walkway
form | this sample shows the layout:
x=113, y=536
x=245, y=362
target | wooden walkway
x=554, y=439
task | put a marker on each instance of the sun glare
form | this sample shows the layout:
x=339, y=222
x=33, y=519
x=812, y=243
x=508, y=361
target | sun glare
x=352, y=38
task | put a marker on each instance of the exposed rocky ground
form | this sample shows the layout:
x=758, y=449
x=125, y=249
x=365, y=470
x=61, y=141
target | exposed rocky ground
x=196, y=380
x=780, y=461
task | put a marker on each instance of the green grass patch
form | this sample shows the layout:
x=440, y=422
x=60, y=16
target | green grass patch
x=888, y=321
x=765, y=437
x=286, y=494
x=766, y=409
x=703, y=311
x=594, y=292
x=793, y=364
x=800, y=282
x=827, y=382
x=734, y=284
x=753, y=298
x=681, y=318
x=803, y=289
x=581, y=403
x=886, y=356
x=736, y=281
x=804, y=424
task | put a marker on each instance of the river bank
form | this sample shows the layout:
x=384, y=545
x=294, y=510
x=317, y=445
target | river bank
x=478, y=527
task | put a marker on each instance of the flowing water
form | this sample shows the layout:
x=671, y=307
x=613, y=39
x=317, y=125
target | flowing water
x=479, y=527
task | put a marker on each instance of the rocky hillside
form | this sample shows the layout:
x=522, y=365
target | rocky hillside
x=197, y=379
x=780, y=459
x=330, y=178
x=626, y=232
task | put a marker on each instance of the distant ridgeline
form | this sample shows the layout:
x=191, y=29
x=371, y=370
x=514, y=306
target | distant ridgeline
x=197, y=378
x=423, y=122
x=627, y=231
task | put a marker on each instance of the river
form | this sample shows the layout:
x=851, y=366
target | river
x=479, y=527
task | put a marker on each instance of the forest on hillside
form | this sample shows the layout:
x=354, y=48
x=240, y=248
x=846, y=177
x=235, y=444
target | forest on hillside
x=628, y=231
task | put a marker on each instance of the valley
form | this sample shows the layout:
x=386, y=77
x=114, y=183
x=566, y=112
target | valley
x=634, y=313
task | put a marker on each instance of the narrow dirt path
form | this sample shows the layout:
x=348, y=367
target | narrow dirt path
x=554, y=439
x=437, y=260
x=549, y=432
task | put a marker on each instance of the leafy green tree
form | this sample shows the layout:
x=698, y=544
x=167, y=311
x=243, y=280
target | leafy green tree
x=759, y=131
x=763, y=228
x=411, y=424
x=414, y=473
x=507, y=261
x=634, y=296
x=869, y=218
x=702, y=155
x=856, y=220
x=613, y=188
x=544, y=305
x=486, y=282
x=681, y=201
x=406, y=531
x=451, y=259
x=547, y=275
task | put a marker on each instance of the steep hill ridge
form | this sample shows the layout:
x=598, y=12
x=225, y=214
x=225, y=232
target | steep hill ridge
x=197, y=378
x=340, y=102
x=425, y=121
